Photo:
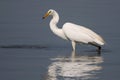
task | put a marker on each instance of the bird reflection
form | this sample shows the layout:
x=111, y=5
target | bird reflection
x=74, y=67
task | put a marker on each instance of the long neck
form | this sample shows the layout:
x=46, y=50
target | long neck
x=53, y=26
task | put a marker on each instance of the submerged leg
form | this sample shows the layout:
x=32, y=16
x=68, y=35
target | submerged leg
x=99, y=47
x=73, y=45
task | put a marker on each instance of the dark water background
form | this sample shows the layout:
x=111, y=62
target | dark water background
x=30, y=51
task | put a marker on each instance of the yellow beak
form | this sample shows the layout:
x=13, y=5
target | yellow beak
x=46, y=15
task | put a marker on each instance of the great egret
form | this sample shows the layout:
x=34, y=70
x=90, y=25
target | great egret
x=74, y=33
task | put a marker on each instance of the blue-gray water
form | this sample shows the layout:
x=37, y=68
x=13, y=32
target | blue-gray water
x=30, y=51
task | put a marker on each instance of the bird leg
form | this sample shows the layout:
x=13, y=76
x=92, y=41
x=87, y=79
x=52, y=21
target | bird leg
x=99, y=47
x=73, y=45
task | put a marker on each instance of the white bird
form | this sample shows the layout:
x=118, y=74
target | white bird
x=74, y=33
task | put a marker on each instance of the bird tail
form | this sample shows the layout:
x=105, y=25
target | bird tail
x=100, y=42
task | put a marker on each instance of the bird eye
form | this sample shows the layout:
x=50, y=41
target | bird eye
x=49, y=11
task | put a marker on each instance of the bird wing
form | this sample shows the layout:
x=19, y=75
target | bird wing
x=81, y=34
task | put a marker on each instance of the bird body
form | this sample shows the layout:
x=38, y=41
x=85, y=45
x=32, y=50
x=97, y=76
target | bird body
x=74, y=33
x=81, y=34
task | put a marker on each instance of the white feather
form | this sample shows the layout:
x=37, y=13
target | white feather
x=81, y=34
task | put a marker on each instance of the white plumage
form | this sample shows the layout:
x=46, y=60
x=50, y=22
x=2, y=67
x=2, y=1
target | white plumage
x=81, y=34
x=74, y=33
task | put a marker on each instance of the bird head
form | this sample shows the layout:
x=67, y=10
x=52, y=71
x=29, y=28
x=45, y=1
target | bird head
x=49, y=12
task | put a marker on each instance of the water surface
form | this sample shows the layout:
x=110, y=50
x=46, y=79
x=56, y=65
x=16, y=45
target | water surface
x=30, y=51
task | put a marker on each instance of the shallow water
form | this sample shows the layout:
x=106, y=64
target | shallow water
x=30, y=51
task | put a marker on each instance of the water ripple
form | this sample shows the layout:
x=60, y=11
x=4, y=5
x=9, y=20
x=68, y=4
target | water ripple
x=23, y=46
x=75, y=68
